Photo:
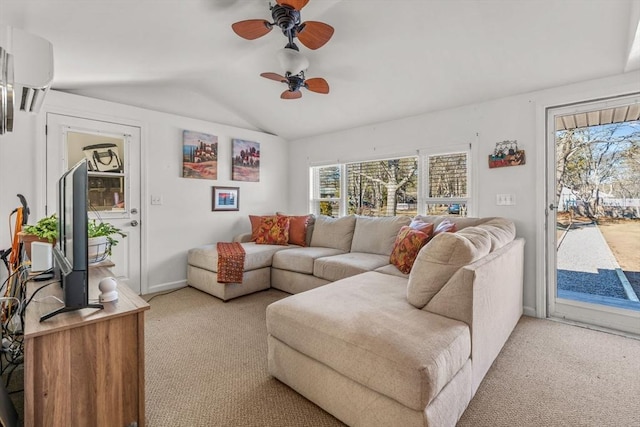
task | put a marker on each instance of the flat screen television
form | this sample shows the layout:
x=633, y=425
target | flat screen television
x=71, y=250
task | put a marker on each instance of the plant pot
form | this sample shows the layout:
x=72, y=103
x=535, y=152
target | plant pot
x=27, y=239
x=98, y=249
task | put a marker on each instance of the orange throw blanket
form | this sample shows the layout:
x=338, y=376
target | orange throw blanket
x=230, y=262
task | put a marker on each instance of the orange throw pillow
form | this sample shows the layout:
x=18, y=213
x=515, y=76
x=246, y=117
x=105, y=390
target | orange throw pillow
x=255, y=226
x=273, y=230
x=297, y=229
x=406, y=247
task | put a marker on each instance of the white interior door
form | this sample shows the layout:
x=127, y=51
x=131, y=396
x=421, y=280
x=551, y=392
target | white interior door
x=114, y=195
x=591, y=181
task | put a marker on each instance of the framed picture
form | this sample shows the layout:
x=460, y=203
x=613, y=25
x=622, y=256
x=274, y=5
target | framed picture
x=245, y=161
x=226, y=199
x=199, y=155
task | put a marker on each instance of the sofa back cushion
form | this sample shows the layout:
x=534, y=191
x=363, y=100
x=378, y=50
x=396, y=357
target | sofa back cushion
x=445, y=254
x=501, y=231
x=376, y=235
x=459, y=221
x=335, y=233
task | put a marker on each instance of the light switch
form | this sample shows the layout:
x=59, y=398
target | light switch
x=156, y=200
x=505, y=199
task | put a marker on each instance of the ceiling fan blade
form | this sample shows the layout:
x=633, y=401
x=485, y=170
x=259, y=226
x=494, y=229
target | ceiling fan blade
x=287, y=94
x=251, y=29
x=315, y=34
x=296, y=4
x=274, y=76
x=317, y=84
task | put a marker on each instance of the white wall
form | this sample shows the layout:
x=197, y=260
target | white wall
x=185, y=219
x=518, y=117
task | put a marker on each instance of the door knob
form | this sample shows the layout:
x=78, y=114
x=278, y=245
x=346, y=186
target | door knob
x=134, y=223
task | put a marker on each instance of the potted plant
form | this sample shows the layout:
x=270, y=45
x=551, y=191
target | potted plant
x=45, y=230
x=101, y=239
x=100, y=234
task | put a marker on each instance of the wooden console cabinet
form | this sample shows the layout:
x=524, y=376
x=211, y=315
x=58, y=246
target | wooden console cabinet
x=86, y=367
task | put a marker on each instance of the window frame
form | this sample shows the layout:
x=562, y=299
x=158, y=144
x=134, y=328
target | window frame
x=422, y=181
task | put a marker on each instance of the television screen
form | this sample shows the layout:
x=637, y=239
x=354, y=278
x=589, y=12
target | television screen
x=71, y=253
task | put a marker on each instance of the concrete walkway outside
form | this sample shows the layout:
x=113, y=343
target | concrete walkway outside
x=587, y=265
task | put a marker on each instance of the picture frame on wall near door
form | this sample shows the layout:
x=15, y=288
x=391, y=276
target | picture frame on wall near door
x=225, y=199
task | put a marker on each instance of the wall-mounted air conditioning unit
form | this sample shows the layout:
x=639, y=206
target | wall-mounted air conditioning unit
x=26, y=73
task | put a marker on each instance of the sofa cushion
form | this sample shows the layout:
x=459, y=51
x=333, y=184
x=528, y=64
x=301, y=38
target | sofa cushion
x=376, y=235
x=441, y=258
x=408, y=243
x=392, y=270
x=460, y=221
x=501, y=231
x=364, y=328
x=273, y=230
x=338, y=267
x=256, y=256
x=301, y=260
x=335, y=233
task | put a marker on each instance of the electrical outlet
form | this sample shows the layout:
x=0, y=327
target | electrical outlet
x=156, y=200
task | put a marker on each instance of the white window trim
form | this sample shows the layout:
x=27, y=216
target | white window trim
x=423, y=170
x=314, y=189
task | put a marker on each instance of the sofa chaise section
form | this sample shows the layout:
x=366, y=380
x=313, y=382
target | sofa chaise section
x=202, y=270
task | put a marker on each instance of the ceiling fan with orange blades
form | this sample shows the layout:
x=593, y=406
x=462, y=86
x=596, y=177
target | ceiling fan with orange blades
x=296, y=82
x=286, y=15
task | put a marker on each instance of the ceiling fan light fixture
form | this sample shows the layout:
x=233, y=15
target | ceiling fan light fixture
x=292, y=61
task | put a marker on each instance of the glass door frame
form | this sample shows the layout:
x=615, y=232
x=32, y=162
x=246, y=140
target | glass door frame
x=599, y=316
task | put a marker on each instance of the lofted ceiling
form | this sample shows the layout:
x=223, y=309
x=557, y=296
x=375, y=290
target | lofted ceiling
x=386, y=60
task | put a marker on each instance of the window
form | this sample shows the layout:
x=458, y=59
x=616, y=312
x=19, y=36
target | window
x=447, y=184
x=383, y=187
x=326, y=190
x=390, y=187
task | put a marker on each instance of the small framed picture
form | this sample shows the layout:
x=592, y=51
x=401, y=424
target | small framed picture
x=226, y=199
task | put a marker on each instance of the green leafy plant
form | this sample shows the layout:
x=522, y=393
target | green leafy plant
x=99, y=229
x=46, y=228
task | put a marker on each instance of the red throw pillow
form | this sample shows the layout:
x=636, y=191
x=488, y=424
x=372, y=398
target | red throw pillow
x=273, y=230
x=297, y=229
x=255, y=225
x=408, y=243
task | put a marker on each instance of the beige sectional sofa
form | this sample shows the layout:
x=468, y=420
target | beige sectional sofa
x=373, y=346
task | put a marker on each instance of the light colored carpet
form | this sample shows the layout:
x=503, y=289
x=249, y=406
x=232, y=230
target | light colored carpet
x=206, y=366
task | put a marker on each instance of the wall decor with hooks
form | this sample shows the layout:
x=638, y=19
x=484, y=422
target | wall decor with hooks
x=506, y=153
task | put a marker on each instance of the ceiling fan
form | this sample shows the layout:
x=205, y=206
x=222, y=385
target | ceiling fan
x=296, y=82
x=286, y=15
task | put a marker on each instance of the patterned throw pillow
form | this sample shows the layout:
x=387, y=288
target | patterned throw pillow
x=297, y=228
x=255, y=225
x=405, y=250
x=273, y=230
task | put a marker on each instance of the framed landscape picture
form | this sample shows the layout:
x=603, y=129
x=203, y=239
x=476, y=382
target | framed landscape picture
x=199, y=155
x=245, y=161
x=226, y=199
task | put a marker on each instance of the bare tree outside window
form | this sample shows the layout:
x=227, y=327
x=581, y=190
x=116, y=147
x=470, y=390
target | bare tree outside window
x=597, y=164
x=383, y=187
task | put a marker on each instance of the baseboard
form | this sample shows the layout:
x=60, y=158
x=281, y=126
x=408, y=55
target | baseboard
x=529, y=311
x=163, y=287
